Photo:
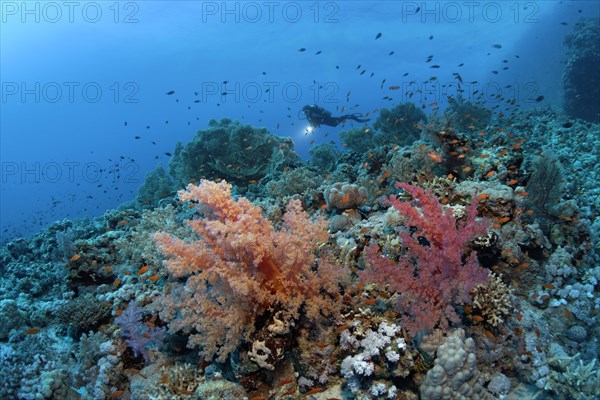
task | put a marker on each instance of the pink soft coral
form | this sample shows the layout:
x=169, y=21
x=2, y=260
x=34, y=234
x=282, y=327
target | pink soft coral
x=438, y=271
x=241, y=268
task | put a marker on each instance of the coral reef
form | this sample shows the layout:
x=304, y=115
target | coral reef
x=328, y=279
x=467, y=116
x=399, y=125
x=231, y=150
x=544, y=184
x=82, y=315
x=580, y=79
x=455, y=374
x=137, y=335
x=492, y=300
x=342, y=196
x=323, y=156
x=358, y=139
x=241, y=270
x=157, y=185
x=435, y=275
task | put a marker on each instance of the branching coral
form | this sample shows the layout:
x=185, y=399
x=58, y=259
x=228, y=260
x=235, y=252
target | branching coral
x=492, y=300
x=242, y=268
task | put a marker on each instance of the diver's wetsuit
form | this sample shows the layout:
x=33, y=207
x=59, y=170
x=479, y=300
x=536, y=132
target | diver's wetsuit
x=318, y=116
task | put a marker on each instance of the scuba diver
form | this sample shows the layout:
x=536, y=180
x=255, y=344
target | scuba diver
x=318, y=116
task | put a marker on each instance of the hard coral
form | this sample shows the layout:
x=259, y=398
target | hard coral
x=241, y=269
x=342, y=196
x=437, y=272
x=233, y=151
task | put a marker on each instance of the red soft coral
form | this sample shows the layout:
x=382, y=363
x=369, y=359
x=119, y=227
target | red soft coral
x=438, y=271
x=239, y=269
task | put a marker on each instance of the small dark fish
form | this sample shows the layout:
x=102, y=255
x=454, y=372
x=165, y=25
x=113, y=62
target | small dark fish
x=372, y=73
x=495, y=72
x=224, y=94
x=225, y=82
x=458, y=77
x=125, y=123
x=363, y=71
x=137, y=137
x=564, y=23
x=567, y=124
x=405, y=74
x=497, y=46
x=264, y=73
x=358, y=67
x=147, y=126
x=170, y=92
x=378, y=36
x=430, y=37
x=196, y=101
x=318, y=52
x=539, y=98
x=461, y=64
x=390, y=53
x=168, y=154
x=418, y=9
x=302, y=49
x=434, y=66
x=337, y=67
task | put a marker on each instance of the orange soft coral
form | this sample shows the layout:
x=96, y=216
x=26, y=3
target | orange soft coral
x=239, y=268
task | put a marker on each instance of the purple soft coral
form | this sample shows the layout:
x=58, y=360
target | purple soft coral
x=137, y=335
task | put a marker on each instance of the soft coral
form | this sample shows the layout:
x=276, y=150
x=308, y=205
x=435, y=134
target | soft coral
x=438, y=271
x=240, y=268
x=137, y=335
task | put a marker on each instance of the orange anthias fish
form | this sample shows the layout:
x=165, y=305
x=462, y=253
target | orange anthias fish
x=435, y=157
x=483, y=196
x=142, y=270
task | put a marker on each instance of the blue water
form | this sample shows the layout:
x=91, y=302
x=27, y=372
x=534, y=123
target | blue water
x=80, y=80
